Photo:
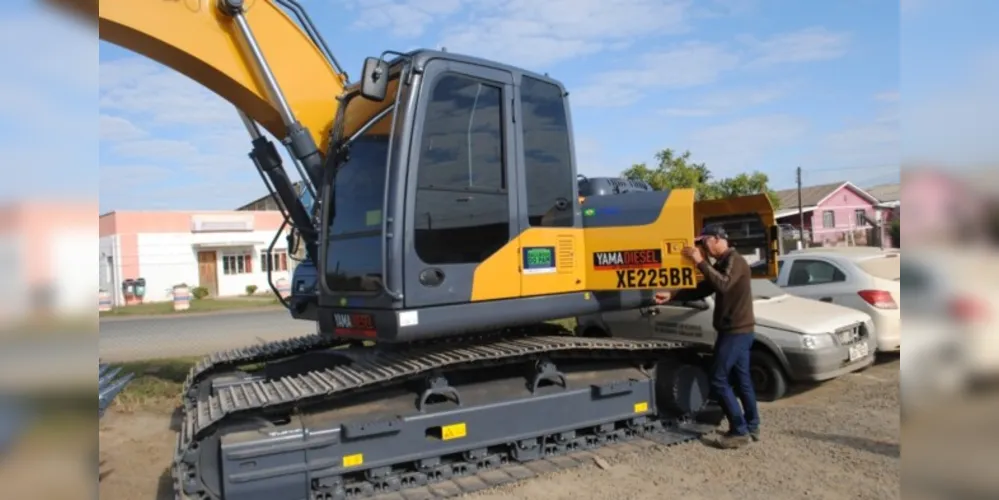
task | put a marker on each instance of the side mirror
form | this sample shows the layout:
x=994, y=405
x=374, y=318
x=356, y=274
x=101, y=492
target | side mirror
x=374, y=79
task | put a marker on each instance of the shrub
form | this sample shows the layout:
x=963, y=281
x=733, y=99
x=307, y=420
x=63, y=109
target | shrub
x=251, y=289
x=199, y=292
x=896, y=233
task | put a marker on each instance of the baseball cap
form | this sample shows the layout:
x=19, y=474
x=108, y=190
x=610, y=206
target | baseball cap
x=715, y=230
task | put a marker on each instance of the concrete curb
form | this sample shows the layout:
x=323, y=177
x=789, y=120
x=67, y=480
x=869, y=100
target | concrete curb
x=176, y=315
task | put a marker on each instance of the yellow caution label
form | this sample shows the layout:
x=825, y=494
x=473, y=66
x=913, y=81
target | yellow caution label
x=353, y=460
x=453, y=431
x=641, y=407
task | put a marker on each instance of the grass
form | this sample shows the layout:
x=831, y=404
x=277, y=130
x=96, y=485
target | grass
x=156, y=386
x=202, y=305
x=158, y=382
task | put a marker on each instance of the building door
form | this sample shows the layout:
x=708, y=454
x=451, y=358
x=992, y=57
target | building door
x=208, y=271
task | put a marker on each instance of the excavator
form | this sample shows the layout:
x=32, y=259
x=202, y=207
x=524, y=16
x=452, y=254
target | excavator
x=446, y=233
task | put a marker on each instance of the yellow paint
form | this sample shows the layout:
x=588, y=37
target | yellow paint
x=675, y=227
x=641, y=407
x=353, y=460
x=675, y=222
x=570, y=274
x=195, y=39
x=453, y=431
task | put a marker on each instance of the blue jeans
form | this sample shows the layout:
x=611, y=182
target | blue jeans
x=731, y=362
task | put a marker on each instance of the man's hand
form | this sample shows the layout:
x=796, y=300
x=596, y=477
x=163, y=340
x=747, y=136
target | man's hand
x=663, y=297
x=693, y=253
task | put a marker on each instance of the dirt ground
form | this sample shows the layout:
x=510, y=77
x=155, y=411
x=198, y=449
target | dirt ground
x=838, y=440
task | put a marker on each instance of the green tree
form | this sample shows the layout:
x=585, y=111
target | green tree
x=746, y=184
x=673, y=172
x=679, y=171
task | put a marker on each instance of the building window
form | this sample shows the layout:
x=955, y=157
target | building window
x=861, y=217
x=276, y=261
x=547, y=155
x=828, y=219
x=462, y=208
x=237, y=264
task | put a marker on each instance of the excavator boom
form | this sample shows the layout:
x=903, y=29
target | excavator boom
x=198, y=39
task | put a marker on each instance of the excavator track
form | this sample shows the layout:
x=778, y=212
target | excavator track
x=257, y=353
x=380, y=451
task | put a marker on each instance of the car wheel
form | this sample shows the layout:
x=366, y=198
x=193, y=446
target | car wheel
x=769, y=381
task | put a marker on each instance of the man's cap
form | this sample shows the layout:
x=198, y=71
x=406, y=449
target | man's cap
x=715, y=230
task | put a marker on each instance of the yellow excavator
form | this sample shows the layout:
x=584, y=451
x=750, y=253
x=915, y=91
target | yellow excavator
x=449, y=229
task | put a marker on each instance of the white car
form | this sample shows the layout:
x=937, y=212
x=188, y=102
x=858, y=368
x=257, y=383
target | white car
x=797, y=340
x=861, y=278
x=954, y=298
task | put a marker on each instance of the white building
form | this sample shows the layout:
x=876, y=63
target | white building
x=223, y=251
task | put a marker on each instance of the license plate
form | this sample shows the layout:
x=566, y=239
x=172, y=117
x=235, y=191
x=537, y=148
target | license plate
x=858, y=351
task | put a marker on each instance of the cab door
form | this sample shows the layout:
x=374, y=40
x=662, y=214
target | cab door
x=751, y=226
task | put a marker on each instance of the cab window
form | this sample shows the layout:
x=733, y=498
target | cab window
x=462, y=208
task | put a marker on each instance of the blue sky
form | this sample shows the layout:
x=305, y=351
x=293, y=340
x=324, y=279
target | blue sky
x=743, y=84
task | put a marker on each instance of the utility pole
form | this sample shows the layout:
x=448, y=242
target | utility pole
x=801, y=213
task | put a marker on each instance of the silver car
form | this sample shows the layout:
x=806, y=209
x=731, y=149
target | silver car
x=797, y=339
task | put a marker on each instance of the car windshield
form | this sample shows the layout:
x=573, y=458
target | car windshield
x=764, y=289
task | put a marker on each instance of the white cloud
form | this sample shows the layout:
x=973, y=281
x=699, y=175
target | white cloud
x=402, y=18
x=116, y=128
x=696, y=63
x=730, y=100
x=741, y=145
x=805, y=45
x=537, y=34
x=164, y=135
x=529, y=33
x=688, y=65
x=141, y=87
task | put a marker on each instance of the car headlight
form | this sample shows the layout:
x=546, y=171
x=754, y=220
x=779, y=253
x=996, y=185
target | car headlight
x=817, y=341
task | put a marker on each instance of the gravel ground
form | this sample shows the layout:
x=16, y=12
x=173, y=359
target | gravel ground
x=838, y=440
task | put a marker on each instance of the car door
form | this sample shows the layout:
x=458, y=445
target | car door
x=685, y=322
x=816, y=278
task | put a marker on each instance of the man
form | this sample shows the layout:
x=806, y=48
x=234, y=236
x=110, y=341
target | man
x=729, y=279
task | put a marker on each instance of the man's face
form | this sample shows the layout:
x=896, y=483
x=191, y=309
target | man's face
x=713, y=245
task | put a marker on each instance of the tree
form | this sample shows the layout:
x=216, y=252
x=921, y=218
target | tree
x=746, y=184
x=672, y=172
x=678, y=171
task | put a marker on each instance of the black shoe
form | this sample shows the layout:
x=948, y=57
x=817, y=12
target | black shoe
x=754, y=434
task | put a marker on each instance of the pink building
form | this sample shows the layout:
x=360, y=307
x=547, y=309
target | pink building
x=835, y=214
x=950, y=208
x=45, y=256
x=223, y=251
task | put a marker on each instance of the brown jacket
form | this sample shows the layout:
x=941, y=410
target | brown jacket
x=729, y=279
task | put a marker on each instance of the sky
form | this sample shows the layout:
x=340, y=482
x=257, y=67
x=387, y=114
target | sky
x=745, y=85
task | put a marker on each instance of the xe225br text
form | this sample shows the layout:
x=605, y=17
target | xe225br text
x=642, y=269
